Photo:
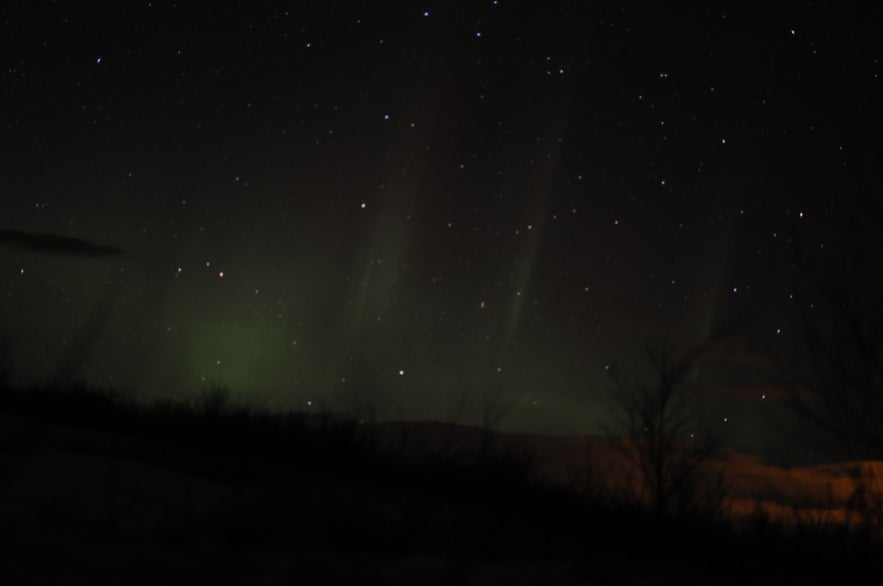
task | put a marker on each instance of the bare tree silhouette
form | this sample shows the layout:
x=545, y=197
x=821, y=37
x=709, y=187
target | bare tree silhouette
x=840, y=352
x=840, y=324
x=493, y=408
x=662, y=434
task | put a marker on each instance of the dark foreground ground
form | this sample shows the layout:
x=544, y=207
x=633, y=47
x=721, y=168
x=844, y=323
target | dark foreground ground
x=97, y=490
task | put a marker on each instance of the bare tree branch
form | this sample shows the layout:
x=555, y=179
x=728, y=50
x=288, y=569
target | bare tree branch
x=663, y=434
x=840, y=321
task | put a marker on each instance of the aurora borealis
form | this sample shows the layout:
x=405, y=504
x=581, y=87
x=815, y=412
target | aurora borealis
x=388, y=206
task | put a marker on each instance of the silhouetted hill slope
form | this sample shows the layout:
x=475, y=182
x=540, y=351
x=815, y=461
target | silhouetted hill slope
x=94, y=488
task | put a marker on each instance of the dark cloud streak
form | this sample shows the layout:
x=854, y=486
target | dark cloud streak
x=52, y=244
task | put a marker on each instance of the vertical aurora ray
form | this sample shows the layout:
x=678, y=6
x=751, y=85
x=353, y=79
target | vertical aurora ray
x=540, y=191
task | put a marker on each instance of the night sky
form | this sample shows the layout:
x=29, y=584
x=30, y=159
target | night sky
x=388, y=206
